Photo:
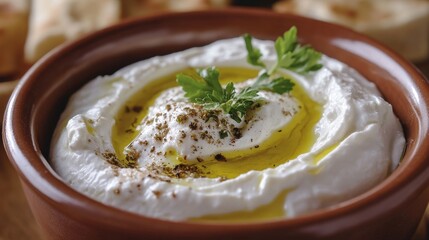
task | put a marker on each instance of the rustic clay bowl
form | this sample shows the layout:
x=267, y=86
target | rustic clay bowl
x=390, y=210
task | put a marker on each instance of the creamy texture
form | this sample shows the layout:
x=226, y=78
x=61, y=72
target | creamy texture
x=355, y=142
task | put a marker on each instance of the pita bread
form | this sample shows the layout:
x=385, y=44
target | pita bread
x=401, y=24
x=53, y=22
x=13, y=30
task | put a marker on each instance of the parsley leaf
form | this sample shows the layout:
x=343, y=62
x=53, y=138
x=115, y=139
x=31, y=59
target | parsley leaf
x=212, y=95
x=253, y=54
x=238, y=106
x=291, y=55
x=207, y=90
x=278, y=85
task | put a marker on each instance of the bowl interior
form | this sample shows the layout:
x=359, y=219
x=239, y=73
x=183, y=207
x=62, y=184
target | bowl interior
x=42, y=95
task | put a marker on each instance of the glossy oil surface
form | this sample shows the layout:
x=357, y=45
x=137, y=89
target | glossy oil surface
x=285, y=144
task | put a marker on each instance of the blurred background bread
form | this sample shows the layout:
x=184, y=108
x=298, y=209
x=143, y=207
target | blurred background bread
x=403, y=25
x=55, y=22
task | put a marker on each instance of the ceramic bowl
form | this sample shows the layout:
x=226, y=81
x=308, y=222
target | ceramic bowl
x=391, y=210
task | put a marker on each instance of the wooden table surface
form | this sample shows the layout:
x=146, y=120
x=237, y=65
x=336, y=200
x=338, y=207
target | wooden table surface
x=17, y=222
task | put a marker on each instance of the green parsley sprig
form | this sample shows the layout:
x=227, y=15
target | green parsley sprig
x=278, y=85
x=207, y=90
x=290, y=54
x=212, y=95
